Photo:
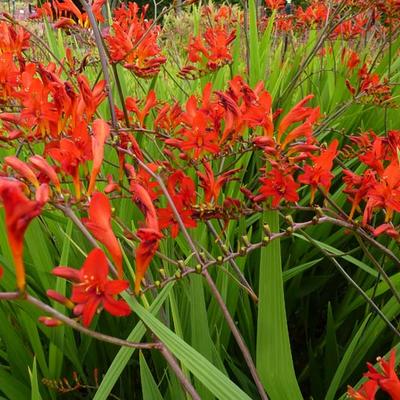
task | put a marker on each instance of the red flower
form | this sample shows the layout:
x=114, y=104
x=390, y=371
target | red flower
x=134, y=41
x=70, y=156
x=23, y=169
x=149, y=235
x=19, y=213
x=90, y=99
x=151, y=101
x=92, y=288
x=13, y=39
x=278, y=186
x=357, y=187
x=149, y=241
x=385, y=193
x=275, y=4
x=45, y=168
x=198, y=133
x=212, y=186
x=167, y=217
x=99, y=224
x=387, y=379
x=366, y=392
x=319, y=174
x=388, y=229
x=101, y=131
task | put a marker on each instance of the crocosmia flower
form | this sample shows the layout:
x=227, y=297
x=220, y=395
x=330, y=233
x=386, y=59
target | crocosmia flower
x=93, y=290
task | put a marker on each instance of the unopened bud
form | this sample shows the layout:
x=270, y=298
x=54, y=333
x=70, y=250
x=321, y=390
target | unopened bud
x=243, y=251
x=181, y=264
x=59, y=298
x=224, y=248
x=162, y=272
x=319, y=212
x=50, y=322
x=288, y=220
x=267, y=230
x=67, y=273
x=265, y=240
x=246, y=241
x=289, y=231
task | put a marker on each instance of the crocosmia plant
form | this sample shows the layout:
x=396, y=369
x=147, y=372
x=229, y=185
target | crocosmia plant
x=200, y=200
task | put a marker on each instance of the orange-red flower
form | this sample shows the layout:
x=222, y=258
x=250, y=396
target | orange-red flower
x=149, y=242
x=387, y=379
x=198, y=136
x=13, y=39
x=151, y=101
x=275, y=4
x=385, y=194
x=23, y=169
x=211, y=185
x=19, y=212
x=213, y=46
x=319, y=174
x=149, y=234
x=45, y=168
x=134, y=41
x=92, y=288
x=99, y=224
x=101, y=131
x=366, y=392
x=278, y=186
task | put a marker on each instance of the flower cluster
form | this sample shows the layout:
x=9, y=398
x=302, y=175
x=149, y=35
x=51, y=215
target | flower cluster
x=211, y=49
x=386, y=379
x=132, y=41
x=377, y=188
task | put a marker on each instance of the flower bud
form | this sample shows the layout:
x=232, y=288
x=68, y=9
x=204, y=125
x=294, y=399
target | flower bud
x=67, y=273
x=246, y=241
x=267, y=230
x=265, y=240
x=59, y=298
x=178, y=275
x=50, y=322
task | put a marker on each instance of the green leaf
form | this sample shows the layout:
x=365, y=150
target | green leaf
x=56, y=354
x=125, y=353
x=218, y=383
x=346, y=360
x=274, y=357
x=12, y=387
x=254, y=45
x=35, y=393
x=150, y=389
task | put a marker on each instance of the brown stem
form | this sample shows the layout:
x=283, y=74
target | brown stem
x=232, y=262
x=380, y=269
x=103, y=60
x=365, y=235
x=121, y=95
x=228, y=317
x=178, y=372
x=353, y=283
x=75, y=325
x=235, y=332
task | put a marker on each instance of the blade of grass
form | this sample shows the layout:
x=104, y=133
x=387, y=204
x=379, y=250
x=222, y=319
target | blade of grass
x=274, y=357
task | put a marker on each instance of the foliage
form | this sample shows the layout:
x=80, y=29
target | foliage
x=226, y=183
